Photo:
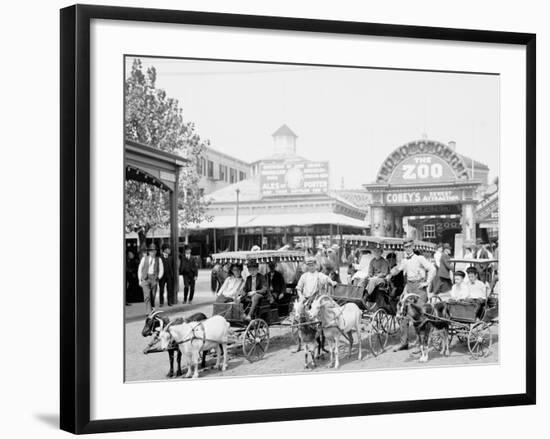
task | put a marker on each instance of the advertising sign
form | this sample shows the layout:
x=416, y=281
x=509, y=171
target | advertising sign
x=279, y=178
x=423, y=197
x=423, y=168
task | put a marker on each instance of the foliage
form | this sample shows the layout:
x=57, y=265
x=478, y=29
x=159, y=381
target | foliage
x=154, y=119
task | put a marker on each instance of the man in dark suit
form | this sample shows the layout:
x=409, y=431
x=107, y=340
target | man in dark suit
x=443, y=282
x=276, y=285
x=189, y=272
x=168, y=278
x=255, y=289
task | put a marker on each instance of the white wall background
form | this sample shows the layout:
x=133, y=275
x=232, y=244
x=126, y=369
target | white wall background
x=30, y=205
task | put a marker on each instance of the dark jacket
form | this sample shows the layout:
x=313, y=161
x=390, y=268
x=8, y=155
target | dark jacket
x=188, y=267
x=167, y=265
x=276, y=282
x=444, y=266
x=261, y=284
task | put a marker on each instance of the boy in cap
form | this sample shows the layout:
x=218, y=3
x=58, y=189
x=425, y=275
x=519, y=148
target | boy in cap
x=150, y=270
x=379, y=268
x=312, y=282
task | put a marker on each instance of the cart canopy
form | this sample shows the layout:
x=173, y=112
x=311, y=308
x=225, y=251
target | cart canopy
x=387, y=243
x=259, y=256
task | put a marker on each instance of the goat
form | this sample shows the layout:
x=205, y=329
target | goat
x=155, y=323
x=197, y=337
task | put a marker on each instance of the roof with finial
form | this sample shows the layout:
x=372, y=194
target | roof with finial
x=284, y=130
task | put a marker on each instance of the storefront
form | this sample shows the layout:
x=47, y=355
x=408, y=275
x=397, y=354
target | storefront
x=487, y=217
x=427, y=191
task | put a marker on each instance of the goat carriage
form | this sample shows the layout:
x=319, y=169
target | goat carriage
x=253, y=334
x=380, y=307
x=469, y=320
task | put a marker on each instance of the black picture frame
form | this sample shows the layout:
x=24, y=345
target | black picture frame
x=75, y=217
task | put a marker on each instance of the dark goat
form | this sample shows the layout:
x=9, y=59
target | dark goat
x=426, y=319
x=154, y=323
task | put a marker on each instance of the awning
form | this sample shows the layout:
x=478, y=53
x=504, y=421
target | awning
x=489, y=225
x=281, y=220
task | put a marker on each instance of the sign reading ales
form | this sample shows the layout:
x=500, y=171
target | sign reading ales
x=293, y=178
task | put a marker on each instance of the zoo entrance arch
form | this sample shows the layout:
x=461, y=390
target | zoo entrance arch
x=427, y=180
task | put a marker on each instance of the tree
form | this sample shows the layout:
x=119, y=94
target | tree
x=154, y=119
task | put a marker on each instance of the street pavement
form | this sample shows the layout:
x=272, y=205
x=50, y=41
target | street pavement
x=279, y=358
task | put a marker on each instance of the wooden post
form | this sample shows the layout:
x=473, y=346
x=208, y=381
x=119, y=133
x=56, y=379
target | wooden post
x=215, y=243
x=174, y=231
x=340, y=247
x=237, y=222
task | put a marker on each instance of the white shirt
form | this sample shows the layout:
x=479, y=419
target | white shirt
x=151, y=266
x=416, y=268
x=232, y=287
x=489, y=254
x=310, y=283
x=460, y=291
x=437, y=258
x=476, y=290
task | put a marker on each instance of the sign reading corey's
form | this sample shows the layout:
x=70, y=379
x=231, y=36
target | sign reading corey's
x=293, y=178
x=423, y=197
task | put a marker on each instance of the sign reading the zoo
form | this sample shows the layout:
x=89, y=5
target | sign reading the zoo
x=422, y=169
x=422, y=197
x=293, y=178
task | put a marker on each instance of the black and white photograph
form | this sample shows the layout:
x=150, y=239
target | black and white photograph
x=284, y=218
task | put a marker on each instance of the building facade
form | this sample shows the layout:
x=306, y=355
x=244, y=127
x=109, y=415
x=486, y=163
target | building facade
x=218, y=170
x=286, y=201
x=426, y=190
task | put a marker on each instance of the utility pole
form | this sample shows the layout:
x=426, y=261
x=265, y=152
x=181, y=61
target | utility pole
x=237, y=222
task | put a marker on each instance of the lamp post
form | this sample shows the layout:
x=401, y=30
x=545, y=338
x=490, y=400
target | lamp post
x=237, y=222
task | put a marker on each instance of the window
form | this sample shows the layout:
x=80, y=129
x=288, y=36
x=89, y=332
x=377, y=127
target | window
x=222, y=173
x=210, y=173
x=203, y=166
x=429, y=231
x=232, y=175
x=242, y=175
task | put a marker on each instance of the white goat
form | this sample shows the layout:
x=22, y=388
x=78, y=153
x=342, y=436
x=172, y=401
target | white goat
x=195, y=337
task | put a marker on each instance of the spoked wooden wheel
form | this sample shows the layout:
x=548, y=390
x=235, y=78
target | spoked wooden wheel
x=480, y=340
x=377, y=340
x=255, y=340
x=380, y=320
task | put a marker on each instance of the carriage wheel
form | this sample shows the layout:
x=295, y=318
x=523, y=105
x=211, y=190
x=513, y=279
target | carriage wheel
x=436, y=341
x=377, y=341
x=255, y=340
x=380, y=320
x=393, y=325
x=480, y=340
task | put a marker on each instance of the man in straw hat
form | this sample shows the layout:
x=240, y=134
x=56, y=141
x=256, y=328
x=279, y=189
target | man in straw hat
x=150, y=270
x=419, y=273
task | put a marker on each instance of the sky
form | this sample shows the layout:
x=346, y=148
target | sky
x=352, y=117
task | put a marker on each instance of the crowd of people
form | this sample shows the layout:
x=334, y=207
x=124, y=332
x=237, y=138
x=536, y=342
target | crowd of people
x=422, y=274
x=154, y=274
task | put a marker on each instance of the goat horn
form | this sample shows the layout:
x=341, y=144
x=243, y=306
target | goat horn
x=155, y=313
